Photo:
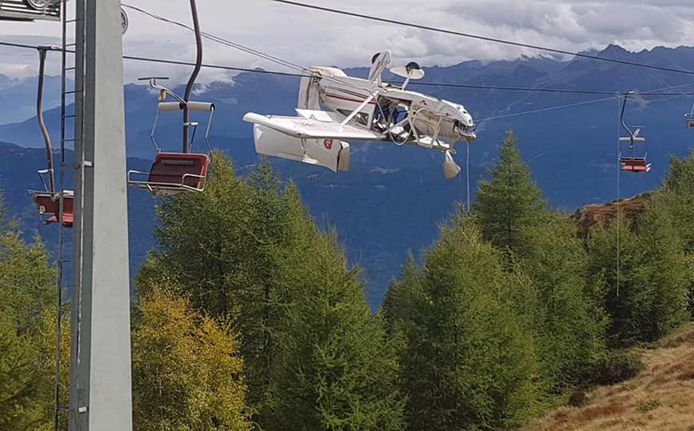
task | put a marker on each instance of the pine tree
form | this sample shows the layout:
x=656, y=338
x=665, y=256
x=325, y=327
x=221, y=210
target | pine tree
x=510, y=202
x=402, y=300
x=468, y=363
x=556, y=301
x=27, y=283
x=201, y=242
x=662, y=270
x=677, y=196
x=249, y=251
x=565, y=312
x=215, y=246
x=645, y=282
x=187, y=373
x=334, y=368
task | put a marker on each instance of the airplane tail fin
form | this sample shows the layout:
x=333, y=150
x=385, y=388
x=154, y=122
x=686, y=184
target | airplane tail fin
x=309, y=97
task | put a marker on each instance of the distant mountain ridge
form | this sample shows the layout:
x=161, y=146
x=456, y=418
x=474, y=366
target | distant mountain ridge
x=394, y=197
x=18, y=97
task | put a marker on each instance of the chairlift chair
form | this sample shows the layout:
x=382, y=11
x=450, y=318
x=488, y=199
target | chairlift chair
x=632, y=162
x=689, y=118
x=52, y=206
x=51, y=210
x=174, y=172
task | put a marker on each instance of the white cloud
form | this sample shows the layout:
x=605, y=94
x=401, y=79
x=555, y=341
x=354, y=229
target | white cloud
x=312, y=37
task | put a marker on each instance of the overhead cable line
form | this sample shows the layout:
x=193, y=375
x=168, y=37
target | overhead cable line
x=300, y=75
x=485, y=38
x=220, y=40
x=19, y=45
x=547, y=109
x=289, y=64
x=653, y=92
x=300, y=68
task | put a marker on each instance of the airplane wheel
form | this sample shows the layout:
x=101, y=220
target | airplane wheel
x=123, y=22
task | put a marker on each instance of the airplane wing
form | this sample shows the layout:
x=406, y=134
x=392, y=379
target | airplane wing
x=313, y=127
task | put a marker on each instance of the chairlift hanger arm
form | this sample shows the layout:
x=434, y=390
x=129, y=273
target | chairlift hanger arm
x=39, y=115
x=193, y=76
x=621, y=116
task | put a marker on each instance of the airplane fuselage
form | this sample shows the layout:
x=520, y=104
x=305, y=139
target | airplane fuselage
x=428, y=116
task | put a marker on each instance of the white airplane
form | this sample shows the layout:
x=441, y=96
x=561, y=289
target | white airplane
x=333, y=107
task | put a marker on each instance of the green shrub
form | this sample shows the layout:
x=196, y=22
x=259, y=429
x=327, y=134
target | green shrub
x=615, y=367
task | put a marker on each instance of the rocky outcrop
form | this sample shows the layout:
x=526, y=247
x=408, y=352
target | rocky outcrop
x=595, y=216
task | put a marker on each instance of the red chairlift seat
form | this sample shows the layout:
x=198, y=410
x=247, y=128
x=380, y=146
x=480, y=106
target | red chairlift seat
x=634, y=164
x=173, y=173
x=48, y=205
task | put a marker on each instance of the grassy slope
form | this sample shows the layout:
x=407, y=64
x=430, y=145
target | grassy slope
x=661, y=397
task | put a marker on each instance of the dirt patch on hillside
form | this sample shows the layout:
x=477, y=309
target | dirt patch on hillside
x=595, y=216
x=660, y=398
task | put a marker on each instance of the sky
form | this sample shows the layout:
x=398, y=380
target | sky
x=309, y=37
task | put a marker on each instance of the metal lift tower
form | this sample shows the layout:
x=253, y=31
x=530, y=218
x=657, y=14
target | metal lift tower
x=100, y=375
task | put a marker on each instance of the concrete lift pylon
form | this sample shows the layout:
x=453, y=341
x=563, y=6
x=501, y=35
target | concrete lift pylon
x=100, y=364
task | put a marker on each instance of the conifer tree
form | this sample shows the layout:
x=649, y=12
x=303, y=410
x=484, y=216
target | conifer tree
x=662, y=270
x=248, y=250
x=334, y=368
x=510, y=202
x=469, y=363
x=556, y=301
x=216, y=248
x=643, y=270
x=187, y=372
x=200, y=238
x=678, y=197
x=27, y=283
x=613, y=260
x=401, y=303
x=566, y=313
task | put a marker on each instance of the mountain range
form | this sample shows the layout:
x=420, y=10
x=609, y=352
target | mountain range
x=394, y=198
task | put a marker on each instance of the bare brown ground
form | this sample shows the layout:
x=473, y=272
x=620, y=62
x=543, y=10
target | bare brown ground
x=660, y=398
x=595, y=216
